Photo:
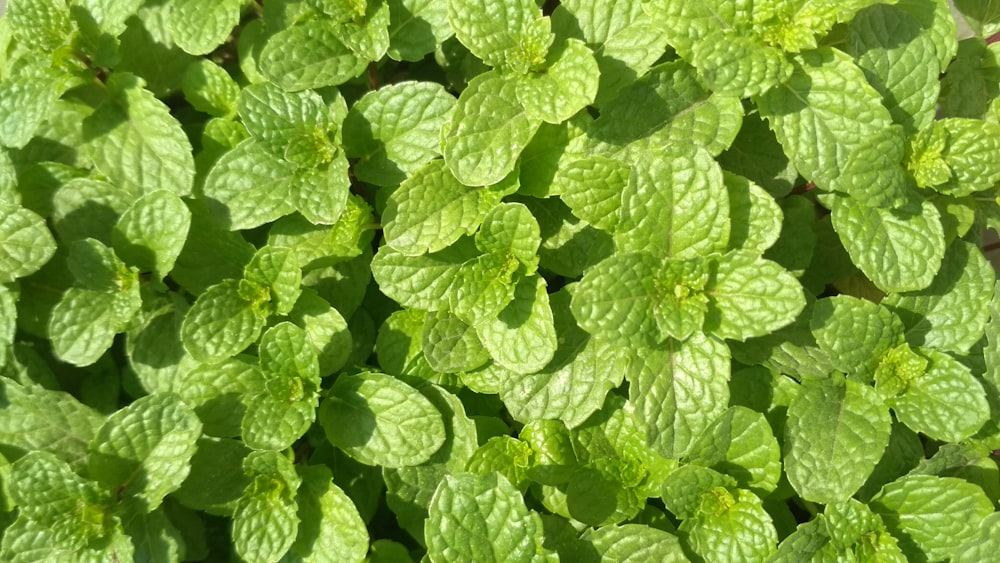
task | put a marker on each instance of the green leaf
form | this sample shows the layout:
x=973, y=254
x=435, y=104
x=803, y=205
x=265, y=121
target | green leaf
x=135, y=142
x=616, y=298
x=731, y=527
x=221, y=323
x=678, y=390
x=249, y=186
x=904, y=72
x=827, y=118
x=489, y=129
x=275, y=272
x=144, y=449
x=756, y=155
x=983, y=545
x=945, y=402
x=683, y=488
x=419, y=282
x=668, y=106
x=740, y=443
x=522, y=337
x=592, y=187
x=379, y=420
x=567, y=85
x=751, y=296
x=931, y=516
x=898, y=249
x=416, y=28
x=395, y=130
x=590, y=365
x=450, y=345
x=38, y=419
x=326, y=330
x=84, y=323
x=275, y=117
x=27, y=98
x=216, y=480
x=48, y=492
x=40, y=24
x=331, y=530
x=25, y=242
x=111, y=14
x=633, y=543
x=673, y=206
x=836, y=432
x=210, y=89
x=265, y=519
x=982, y=17
x=756, y=218
x=151, y=233
x=950, y=314
x=320, y=194
x=970, y=151
x=431, y=210
x=494, y=32
x=624, y=40
x=481, y=518
x=508, y=456
x=312, y=54
x=199, y=28
x=855, y=333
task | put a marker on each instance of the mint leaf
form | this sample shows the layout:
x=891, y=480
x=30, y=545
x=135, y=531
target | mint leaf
x=496, y=33
x=325, y=329
x=395, y=130
x=379, y=420
x=312, y=54
x=274, y=276
x=431, y=210
x=672, y=206
x=421, y=282
x=740, y=443
x=900, y=249
x=931, y=516
x=678, y=389
x=522, y=338
x=199, y=28
x=633, y=543
x=144, y=449
x=615, y=298
x=489, y=129
x=331, y=529
x=210, y=89
x=756, y=218
x=450, y=345
x=134, y=141
x=25, y=242
x=855, y=333
x=983, y=544
x=27, y=97
x=591, y=365
x=836, y=432
x=592, y=188
x=823, y=114
x=40, y=24
x=730, y=527
x=221, y=323
x=949, y=314
x=568, y=84
x=250, y=186
x=491, y=512
x=416, y=28
x=945, y=401
x=84, y=323
x=751, y=296
x=265, y=519
x=151, y=233
x=39, y=419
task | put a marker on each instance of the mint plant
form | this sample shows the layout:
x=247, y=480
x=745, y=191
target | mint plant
x=476, y=280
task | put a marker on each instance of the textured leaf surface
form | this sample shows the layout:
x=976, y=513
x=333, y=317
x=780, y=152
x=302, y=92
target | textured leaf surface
x=740, y=443
x=199, y=27
x=310, y=55
x=84, y=323
x=855, y=333
x=481, y=518
x=674, y=206
x=36, y=419
x=395, y=130
x=379, y=420
x=835, y=434
x=634, y=543
x=420, y=282
x=491, y=30
x=615, y=298
x=25, y=242
x=822, y=114
x=731, y=527
x=899, y=250
x=145, y=449
x=134, y=141
x=416, y=28
x=220, y=324
x=151, y=233
x=931, y=516
x=250, y=186
x=489, y=130
x=564, y=88
x=331, y=530
x=522, y=338
x=945, y=402
x=680, y=388
x=27, y=98
x=951, y=312
x=752, y=297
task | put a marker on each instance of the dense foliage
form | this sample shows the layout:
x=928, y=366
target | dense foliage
x=490, y=280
